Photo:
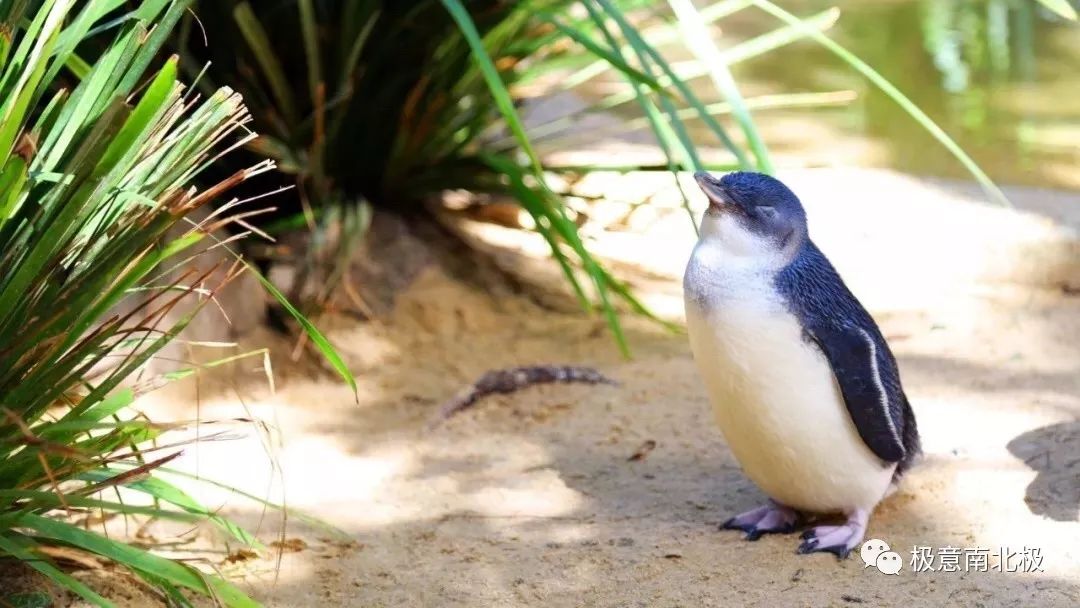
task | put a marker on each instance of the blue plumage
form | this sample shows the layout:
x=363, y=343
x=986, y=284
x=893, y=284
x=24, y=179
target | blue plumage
x=860, y=358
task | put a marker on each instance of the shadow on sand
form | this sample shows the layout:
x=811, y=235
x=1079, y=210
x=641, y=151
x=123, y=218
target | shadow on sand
x=1054, y=453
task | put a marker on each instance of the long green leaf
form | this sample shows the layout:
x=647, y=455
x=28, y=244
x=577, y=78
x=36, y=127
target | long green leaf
x=673, y=147
x=701, y=44
x=742, y=51
x=149, y=107
x=309, y=33
x=655, y=36
x=889, y=89
x=167, y=492
x=263, y=49
x=496, y=86
x=646, y=51
x=609, y=57
x=552, y=207
x=22, y=549
x=1062, y=7
x=292, y=513
x=328, y=351
x=137, y=559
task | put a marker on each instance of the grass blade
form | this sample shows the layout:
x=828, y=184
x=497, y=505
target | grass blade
x=292, y=513
x=548, y=205
x=670, y=141
x=495, y=84
x=655, y=36
x=22, y=549
x=1063, y=8
x=263, y=49
x=328, y=351
x=167, y=492
x=701, y=44
x=889, y=89
x=137, y=559
x=308, y=30
x=644, y=51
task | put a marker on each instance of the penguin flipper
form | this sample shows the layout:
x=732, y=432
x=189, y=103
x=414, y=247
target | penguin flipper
x=870, y=384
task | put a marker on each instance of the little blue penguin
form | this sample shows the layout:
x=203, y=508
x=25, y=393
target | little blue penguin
x=801, y=381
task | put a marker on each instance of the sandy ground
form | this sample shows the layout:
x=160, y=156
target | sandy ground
x=536, y=499
x=532, y=500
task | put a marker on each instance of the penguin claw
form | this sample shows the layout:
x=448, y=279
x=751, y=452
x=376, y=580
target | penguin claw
x=769, y=519
x=811, y=546
x=752, y=533
x=757, y=533
x=838, y=540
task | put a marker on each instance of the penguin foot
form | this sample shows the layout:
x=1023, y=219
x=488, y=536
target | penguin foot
x=773, y=518
x=838, y=540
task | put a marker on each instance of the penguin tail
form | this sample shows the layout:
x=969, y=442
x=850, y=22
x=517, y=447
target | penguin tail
x=910, y=438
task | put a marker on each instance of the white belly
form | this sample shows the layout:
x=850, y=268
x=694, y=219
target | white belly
x=776, y=399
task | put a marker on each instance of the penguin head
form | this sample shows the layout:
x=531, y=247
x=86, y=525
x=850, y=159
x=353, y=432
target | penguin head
x=752, y=215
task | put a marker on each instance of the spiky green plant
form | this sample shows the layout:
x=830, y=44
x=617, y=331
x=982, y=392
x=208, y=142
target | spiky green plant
x=391, y=102
x=388, y=103
x=95, y=193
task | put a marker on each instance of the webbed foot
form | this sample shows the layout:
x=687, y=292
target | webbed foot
x=838, y=540
x=772, y=518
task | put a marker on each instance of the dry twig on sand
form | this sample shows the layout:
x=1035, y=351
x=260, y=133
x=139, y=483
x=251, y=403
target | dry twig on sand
x=514, y=379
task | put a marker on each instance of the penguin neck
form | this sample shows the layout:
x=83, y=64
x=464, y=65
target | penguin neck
x=720, y=257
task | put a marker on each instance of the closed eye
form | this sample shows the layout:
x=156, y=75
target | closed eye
x=767, y=212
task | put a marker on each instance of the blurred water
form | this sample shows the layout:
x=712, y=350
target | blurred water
x=1002, y=77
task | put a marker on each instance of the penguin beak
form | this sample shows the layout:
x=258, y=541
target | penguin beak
x=719, y=199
